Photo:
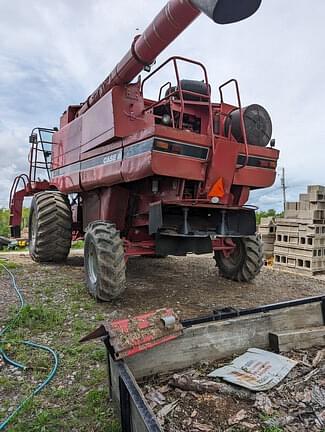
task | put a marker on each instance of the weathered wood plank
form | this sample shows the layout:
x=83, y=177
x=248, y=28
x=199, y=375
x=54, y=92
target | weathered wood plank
x=222, y=339
x=284, y=341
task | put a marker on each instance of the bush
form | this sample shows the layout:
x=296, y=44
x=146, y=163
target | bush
x=4, y=221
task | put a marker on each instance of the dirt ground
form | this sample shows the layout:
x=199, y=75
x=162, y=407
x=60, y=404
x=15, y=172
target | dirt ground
x=61, y=312
x=190, y=285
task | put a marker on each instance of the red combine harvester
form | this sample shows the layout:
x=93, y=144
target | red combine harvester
x=136, y=176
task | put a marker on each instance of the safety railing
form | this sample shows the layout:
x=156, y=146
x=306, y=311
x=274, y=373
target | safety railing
x=242, y=125
x=21, y=178
x=178, y=95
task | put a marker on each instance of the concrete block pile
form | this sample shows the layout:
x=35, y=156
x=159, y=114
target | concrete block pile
x=267, y=231
x=300, y=235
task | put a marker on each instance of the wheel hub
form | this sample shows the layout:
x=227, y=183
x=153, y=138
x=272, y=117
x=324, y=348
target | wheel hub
x=92, y=264
x=33, y=230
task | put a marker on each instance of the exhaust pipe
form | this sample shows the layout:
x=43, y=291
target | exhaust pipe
x=227, y=11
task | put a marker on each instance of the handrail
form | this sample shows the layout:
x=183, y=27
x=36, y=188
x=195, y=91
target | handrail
x=168, y=83
x=21, y=177
x=242, y=125
x=181, y=92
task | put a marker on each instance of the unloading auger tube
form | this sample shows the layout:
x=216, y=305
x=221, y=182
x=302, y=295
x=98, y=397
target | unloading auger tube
x=166, y=26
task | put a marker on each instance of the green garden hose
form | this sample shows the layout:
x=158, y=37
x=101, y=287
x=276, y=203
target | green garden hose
x=6, y=359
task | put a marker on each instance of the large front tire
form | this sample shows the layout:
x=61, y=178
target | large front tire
x=50, y=227
x=104, y=261
x=244, y=263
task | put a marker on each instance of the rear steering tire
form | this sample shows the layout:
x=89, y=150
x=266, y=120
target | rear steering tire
x=244, y=263
x=104, y=261
x=50, y=227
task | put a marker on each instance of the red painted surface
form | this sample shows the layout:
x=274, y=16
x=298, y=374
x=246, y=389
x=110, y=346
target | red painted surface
x=66, y=144
x=133, y=335
x=137, y=167
x=177, y=166
x=104, y=175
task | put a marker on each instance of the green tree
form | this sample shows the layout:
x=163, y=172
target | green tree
x=4, y=221
x=267, y=213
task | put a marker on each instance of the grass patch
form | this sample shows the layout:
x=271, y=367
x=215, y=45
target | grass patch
x=78, y=244
x=266, y=417
x=39, y=317
x=59, y=313
x=9, y=264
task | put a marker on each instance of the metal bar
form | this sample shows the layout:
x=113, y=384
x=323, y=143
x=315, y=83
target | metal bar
x=323, y=309
x=131, y=392
x=223, y=314
x=168, y=83
x=180, y=92
x=242, y=125
x=125, y=407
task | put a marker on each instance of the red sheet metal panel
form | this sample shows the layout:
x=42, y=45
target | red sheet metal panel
x=66, y=144
x=137, y=167
x=103, y=175
x=223, y=163
x=177, y=166
x=98, y=123
x=255, y=177
x=67, y=183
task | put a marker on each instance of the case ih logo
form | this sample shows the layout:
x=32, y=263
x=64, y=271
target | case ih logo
x=113, y=157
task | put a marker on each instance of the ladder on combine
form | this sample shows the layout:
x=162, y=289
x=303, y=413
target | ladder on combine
x=25, y=185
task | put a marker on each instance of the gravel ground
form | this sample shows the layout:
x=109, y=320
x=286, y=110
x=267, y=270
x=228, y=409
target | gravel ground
x=190, y=285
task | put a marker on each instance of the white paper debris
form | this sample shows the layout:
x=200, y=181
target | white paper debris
x=257, y=370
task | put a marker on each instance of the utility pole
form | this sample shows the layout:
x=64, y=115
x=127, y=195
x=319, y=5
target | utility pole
x=284, y=187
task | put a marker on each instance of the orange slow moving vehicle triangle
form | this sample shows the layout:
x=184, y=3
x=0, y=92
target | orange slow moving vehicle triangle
x=217, y=189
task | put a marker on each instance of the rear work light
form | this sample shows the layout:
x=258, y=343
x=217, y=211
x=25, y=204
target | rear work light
x=258, y=162
x=181, y=149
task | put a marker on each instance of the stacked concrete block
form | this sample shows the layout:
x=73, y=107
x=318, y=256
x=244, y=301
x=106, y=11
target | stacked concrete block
x=300, y=235
x=267, y=231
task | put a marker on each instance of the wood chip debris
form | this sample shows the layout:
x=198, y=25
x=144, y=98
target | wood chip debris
x=238, y=417
x=188, y=401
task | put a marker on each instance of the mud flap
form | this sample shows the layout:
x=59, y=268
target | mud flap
x=181, y=245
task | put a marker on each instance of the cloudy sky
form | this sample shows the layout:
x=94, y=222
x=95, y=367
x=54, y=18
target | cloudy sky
x=54, y=53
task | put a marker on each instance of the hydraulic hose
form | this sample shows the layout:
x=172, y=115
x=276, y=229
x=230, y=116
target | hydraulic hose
x=33, y=345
